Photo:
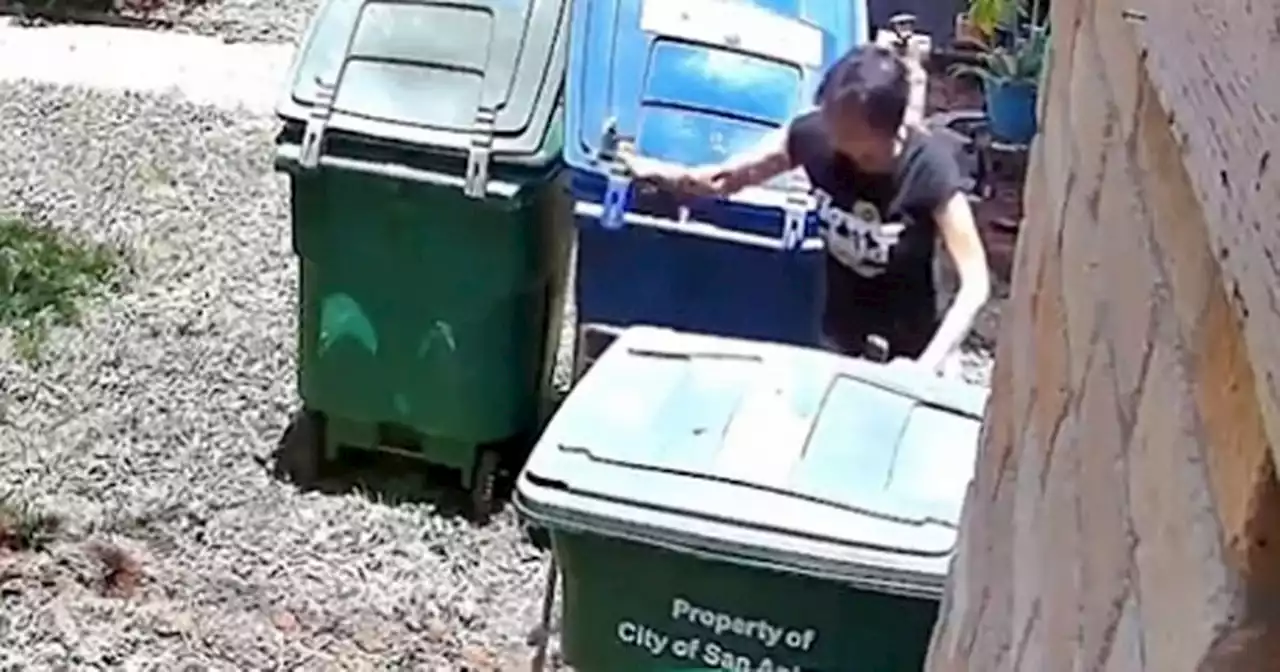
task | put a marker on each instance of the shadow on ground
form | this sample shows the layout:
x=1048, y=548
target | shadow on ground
x=394, y=479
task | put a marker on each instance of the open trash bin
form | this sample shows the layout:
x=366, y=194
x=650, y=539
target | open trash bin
x=729, y=505
x=432, y=226
x=695, y=83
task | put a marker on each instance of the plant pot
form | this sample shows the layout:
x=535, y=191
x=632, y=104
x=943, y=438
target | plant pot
x=1011, y=111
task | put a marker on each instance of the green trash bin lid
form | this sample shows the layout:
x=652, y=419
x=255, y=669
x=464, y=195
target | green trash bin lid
x=762, y=454
x=445, y=76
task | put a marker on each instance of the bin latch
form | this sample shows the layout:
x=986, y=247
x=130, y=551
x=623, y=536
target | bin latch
x=317, y=124
x=479, y=154
x=795, y=212
x=617, y=194
x=617, y=191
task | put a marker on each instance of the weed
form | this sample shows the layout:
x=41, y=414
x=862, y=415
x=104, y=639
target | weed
x=44, y=274
x=24, y=527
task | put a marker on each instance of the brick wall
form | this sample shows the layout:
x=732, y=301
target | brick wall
x=1125, y=514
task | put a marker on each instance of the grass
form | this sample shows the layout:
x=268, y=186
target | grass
x=26, y=528
x=45, y=274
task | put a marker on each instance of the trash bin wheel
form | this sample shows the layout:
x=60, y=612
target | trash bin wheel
x=540, y=537
x=300, y=458
x=484, y=483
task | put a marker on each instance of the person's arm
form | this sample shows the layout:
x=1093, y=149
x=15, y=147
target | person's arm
x=776, y=154
x=770, y=159
x=961, y=240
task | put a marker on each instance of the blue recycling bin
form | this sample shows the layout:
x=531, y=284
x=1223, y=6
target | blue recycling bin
x=695, y=83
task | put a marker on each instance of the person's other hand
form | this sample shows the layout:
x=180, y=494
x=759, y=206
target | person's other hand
x=679, y=180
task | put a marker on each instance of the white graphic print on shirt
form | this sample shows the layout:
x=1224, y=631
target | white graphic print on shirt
x=857, y=239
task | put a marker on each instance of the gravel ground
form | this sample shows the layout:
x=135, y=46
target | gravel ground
x=240, y=20
x=149, y=429
x=232, y=21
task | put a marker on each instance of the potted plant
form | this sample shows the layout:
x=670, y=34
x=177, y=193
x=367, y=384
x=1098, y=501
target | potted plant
x=1010, y=73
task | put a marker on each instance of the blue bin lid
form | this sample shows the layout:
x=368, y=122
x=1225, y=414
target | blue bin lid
x=762, y=454
x=695, y=82
x=433, y=74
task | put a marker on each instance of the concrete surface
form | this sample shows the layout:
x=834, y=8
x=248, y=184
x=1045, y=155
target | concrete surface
x=204, y=69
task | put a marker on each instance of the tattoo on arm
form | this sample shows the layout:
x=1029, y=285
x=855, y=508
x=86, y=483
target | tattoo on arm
x=770, y=158
x=772, y=164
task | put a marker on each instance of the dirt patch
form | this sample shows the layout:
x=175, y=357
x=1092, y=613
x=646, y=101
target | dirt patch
x=947, y=93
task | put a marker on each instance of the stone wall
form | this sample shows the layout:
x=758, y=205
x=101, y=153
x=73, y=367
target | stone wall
x=1125, y=513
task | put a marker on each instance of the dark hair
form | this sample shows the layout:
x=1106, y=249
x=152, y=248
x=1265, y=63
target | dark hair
x=875, y=79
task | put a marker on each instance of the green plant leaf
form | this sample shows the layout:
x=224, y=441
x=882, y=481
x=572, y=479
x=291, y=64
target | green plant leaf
x=984, y=74
x=986, y=15
x=1021, y=64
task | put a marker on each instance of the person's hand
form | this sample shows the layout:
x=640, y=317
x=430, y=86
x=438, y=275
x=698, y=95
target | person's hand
x=947, y=367
x=727, y=180
x=939, y=370
x=702, y=181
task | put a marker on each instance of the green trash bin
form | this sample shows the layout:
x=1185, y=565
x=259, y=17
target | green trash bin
x=728, y=505
x=432, y=224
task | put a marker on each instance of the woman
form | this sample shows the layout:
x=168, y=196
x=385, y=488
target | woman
x=884, y=192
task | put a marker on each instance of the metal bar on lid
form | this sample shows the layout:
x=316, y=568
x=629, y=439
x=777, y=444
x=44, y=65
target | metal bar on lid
x=326, y=94
x=317, y=123
x=286, y=154
x=699, y=229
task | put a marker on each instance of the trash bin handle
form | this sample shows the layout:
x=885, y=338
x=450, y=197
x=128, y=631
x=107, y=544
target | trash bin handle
x=287, y=155
x=698, y=228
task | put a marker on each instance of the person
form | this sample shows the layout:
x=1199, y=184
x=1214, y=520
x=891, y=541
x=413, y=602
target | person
x=884, y=192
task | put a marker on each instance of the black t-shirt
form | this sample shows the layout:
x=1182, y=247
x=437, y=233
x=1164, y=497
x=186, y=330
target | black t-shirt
x=880, y=234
